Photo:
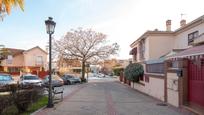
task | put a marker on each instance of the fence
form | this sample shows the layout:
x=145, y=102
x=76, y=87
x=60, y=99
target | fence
x=41, y=74
x=11, y=73
x=155, y=68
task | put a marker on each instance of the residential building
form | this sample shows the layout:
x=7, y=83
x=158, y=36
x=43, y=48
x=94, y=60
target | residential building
x=155, y=44
x=123, y=63
x=31, y=60
x=107, y=66
x=151, y=46
x=69, y=65
x=166, y=55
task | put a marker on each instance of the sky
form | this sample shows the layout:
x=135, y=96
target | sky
x=123, y=21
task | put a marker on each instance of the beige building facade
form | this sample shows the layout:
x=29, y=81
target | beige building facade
x=156, y=49
x=34, y=59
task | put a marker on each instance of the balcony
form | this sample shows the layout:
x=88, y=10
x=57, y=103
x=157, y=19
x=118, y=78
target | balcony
x=199, y=39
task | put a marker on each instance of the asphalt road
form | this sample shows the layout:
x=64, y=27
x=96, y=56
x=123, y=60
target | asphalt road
x=106, y=96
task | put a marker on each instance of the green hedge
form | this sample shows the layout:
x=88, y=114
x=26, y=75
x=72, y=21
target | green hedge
x=15, y=97
x=117, y=71
x=133, y=71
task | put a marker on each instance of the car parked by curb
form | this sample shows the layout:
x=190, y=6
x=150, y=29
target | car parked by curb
x=56, y=81
x=69, y=79
x=30, y=80
x=6, y=80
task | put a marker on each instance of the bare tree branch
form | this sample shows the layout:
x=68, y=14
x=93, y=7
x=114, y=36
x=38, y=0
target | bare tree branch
x=85, y=45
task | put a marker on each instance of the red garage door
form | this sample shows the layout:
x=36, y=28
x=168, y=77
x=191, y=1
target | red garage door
x=196, y=81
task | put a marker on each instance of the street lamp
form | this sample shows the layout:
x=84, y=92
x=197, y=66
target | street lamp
x=50, y=28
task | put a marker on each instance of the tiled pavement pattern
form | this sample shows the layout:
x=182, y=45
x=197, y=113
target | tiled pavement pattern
x=109, y=98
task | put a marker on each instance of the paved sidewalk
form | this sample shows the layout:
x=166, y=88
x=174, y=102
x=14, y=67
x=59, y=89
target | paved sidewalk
x=109, y=98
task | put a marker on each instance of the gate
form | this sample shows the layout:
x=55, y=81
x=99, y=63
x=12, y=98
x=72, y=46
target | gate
x=196, y=81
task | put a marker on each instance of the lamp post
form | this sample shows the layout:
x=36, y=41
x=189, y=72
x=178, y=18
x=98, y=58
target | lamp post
x=50, y=28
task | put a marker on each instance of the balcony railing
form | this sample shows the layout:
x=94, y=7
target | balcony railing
x=199, y=39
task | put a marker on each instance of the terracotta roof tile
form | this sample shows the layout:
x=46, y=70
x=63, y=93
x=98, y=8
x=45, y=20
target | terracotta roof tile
x=13, y=51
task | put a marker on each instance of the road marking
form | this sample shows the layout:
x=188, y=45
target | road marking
x=110, y=105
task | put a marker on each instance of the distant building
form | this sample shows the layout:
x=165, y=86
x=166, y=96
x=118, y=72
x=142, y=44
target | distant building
x=69, y=65
x=31, y=60
x=107, y=66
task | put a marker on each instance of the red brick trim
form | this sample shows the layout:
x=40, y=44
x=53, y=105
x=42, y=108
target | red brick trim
x=109, y=101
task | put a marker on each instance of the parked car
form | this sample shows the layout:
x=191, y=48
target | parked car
x=101, y=75
x=69, y=79
x=29, y=79
x=56, y=81
x=5, y=80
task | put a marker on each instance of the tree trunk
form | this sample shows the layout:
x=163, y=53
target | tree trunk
x=83, y=70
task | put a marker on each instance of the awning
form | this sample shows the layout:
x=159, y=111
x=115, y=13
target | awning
x=133, y=51
x=193, y=51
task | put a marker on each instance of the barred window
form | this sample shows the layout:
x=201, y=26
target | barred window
x=192, y=36
x=155, y=68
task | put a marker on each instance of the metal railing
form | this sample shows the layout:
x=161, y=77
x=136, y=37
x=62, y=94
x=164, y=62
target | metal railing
x=155, y=68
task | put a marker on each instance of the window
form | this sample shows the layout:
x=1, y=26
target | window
x=192, y=36
x=13, y=69
x=142, y=49
x=9, y=59
x=134, y=57
x=76, y=70
x=30, y=77
x=39, y=60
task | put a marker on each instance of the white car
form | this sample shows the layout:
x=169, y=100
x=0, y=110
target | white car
x=30, y=79
x=101, y=75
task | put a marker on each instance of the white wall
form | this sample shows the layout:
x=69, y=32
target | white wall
x=30, y=57
x=181, y=39
x=159, y=46
x=172, y=89
x=154, y=88
x=17, y=61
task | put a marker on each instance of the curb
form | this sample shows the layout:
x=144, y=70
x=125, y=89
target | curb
x=38, y=110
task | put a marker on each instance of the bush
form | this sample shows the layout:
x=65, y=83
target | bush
x=5, y=101
x=18, y=97
x=117, y=71
x=133, y=72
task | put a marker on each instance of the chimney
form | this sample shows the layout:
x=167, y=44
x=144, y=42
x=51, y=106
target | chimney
x=168, y=25
x=182, y=23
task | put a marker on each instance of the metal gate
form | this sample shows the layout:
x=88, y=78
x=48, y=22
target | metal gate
x=196, y=81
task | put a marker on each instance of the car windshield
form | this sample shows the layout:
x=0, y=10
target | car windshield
x=5, y=78
x=30, y=77
x=68, y=76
